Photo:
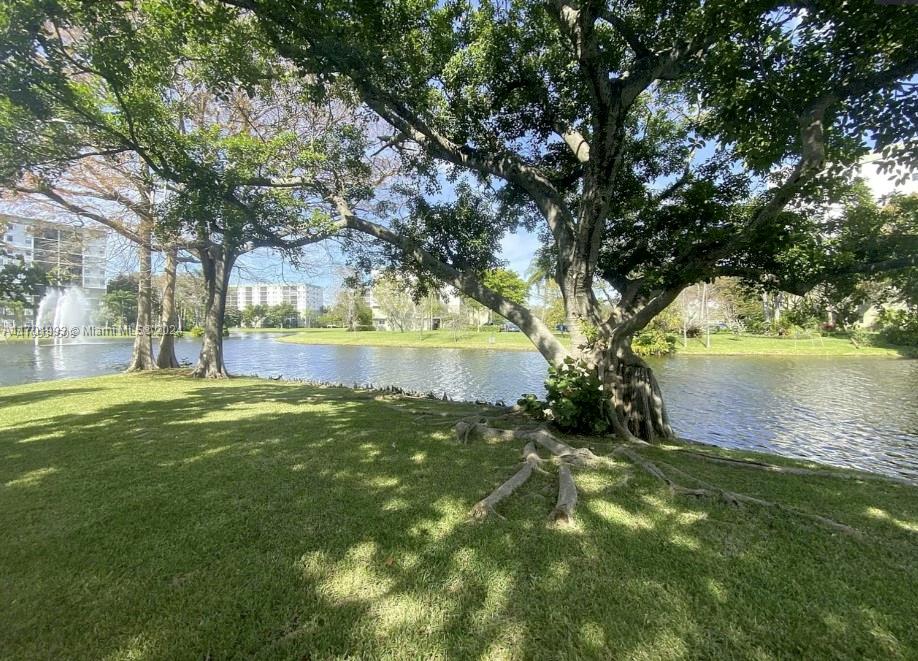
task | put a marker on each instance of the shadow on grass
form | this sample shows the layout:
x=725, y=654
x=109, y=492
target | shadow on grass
x=263, y=520
x=42, y=395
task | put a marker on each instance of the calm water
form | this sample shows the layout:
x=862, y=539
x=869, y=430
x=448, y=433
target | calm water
x=854, y=412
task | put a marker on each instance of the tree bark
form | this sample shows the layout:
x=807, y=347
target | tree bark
x=166, y=358
x=216, y=263
x=142, y=353
x=636, y=401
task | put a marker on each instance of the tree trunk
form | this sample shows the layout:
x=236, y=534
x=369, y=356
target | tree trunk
x=142, y=353
x=166, y=358
x=636, y=401
x=217, y=263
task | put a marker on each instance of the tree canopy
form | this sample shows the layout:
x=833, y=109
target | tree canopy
x=654, y=144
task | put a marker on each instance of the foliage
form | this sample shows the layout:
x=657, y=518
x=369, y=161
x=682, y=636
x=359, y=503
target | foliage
x=252, y=315
x=575, y=400
x=653, y=342
x=281, y=315
x=899, y=327
x=20, y=283
x=196, y=331
x=232, y=318
x=507, y=283
x=351, y=309
x=119, y=306
x=396, y=302
x=128, y=282
x=190, y=295
x=740, y=303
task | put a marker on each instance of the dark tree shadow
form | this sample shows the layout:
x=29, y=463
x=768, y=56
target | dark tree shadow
x=262, y=520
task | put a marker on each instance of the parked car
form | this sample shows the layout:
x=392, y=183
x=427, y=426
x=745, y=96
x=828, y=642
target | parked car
x=561, y=328
x=510, y=328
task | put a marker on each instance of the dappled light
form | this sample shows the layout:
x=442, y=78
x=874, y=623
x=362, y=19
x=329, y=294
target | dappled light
x=213, y=524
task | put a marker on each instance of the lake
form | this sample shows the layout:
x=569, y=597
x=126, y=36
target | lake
x=850, y=412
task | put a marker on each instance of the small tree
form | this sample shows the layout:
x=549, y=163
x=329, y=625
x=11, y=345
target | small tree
x=396, y=302
x=20, y=285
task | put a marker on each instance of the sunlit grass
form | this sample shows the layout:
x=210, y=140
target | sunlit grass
x=722, y=343
x=439, y=339
x=155, y=517
x=726, y=343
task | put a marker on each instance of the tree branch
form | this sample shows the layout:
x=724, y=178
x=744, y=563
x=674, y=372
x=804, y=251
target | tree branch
x=535, y=328
x=626, y=32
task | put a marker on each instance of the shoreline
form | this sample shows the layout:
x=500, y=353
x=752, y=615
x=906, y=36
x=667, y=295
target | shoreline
x=331, y=513
x=829, y=347
x=384, y=390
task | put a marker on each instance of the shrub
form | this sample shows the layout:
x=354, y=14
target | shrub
x=653, y=342
x=575, y=399
x=899, y=327
x=693, y=329
x=196, y=331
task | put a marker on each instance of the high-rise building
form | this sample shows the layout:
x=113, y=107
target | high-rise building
x=72, y=255
x=305, y=298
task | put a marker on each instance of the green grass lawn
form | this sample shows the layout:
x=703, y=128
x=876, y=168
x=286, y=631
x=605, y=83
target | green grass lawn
x=156, y=517
x=722, y=343
x=725, y=343
x=439, y=339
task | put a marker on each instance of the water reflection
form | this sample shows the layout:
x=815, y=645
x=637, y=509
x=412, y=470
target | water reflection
x=860, y=413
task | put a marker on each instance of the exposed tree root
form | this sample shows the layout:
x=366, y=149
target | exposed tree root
x=793, y=470
x=567, y=456
x=485, y=507
x=567, y=497
x=708, y=490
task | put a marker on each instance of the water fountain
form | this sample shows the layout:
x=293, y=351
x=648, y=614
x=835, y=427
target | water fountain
x=60, y=311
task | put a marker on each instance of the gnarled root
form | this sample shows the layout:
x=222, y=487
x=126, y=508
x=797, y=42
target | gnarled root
x=567, y=497
x=485, y=507
x=567, y=456
x=794, y=470
x=708, y=490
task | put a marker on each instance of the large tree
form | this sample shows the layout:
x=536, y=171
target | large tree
x=147, y=81
x=120, y=193
x=660, y=143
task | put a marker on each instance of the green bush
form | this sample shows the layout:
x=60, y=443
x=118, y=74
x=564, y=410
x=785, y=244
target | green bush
x=575, y=399
x=899, y=327
x=860, y=336
x=653, y=342
x=196, y=331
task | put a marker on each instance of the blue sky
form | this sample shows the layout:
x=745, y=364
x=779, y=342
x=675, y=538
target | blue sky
x=326, y=262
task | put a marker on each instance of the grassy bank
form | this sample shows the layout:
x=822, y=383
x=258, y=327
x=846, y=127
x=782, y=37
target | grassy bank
x=151, y=517
x=439, y=339
x=721, y=343
x=725, y=344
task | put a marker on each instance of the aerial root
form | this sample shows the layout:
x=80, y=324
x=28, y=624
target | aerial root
x=708, y=490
